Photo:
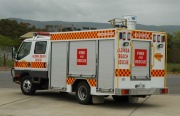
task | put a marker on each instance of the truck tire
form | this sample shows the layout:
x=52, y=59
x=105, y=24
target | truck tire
x=27, y=87
x=121, y=99
x=83, y=93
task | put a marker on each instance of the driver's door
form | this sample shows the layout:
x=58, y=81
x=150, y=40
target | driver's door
x=23, y=56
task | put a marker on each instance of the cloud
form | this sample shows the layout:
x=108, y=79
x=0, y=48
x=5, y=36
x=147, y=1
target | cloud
x=155, y=12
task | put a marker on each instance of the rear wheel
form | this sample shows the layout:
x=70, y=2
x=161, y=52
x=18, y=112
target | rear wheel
x=27, y=87
x=83, y=93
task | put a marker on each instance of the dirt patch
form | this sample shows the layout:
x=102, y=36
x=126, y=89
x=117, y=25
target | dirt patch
x=5, y=68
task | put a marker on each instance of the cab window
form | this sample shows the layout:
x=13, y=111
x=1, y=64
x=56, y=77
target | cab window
x=40, y=47
x=24, y=50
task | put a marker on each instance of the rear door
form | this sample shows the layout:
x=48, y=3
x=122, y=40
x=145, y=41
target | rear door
x=140, y=60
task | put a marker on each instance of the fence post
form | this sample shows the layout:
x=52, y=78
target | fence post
x=4, y=59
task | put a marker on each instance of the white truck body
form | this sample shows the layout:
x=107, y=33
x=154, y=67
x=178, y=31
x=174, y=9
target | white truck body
x=118, y=62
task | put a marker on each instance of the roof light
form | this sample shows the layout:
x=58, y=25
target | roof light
x=43, y=33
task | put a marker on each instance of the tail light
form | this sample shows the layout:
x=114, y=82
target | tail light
x=158, y=38
x=125, y=91
x=164, y=91
x=163, y=39
x=129, y=36
x=154, y=38
x=124, y=35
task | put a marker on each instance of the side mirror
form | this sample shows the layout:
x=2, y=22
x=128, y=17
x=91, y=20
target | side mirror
x=13, y=52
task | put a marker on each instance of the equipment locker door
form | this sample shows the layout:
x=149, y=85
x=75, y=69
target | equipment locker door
x=141, y=60
x=82, y=59
x=58, y=64
x=106, y=65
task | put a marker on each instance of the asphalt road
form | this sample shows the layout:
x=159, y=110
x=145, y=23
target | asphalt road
x=173, y=82
x=6, y=80
x=50, y=103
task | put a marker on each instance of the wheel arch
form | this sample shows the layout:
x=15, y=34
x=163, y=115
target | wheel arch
x=74, y=86
x=23, y=74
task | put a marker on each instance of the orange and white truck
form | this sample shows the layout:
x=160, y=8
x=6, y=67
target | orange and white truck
x=123, y=62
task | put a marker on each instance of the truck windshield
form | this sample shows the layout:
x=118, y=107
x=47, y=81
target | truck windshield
x=24, y=50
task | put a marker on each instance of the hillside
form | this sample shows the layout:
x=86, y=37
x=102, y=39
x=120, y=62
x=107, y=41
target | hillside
x=41, y=24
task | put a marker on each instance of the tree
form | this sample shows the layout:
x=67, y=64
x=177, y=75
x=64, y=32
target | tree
x=176, y=39
x=169, y=41
x=8, y=42
x=14, y=30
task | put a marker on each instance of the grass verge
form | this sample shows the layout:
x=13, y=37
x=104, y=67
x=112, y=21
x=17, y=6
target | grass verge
x=173, y=67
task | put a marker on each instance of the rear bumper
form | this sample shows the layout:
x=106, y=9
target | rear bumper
x=141, y=91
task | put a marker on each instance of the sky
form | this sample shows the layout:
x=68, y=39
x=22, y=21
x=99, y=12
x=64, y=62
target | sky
x=148, y=12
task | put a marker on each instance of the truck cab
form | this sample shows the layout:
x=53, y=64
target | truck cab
x=31, y=63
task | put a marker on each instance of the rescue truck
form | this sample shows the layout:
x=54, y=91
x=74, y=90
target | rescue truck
x=122, y=62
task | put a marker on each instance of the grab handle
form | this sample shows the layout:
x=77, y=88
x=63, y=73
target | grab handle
x=153, y=52
x=132, y=54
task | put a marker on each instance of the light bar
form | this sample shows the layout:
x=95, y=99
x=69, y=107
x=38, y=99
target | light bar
x=43, y=33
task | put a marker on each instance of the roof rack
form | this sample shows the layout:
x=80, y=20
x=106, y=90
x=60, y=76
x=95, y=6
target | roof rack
x=118, y=22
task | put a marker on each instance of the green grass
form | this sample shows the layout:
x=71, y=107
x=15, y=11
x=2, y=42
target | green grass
x=172, y=67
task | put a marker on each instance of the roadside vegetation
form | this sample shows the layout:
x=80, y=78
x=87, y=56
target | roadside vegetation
x=11, y=30
x=173, y=68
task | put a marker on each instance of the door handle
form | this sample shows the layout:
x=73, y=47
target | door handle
x=153, y=52
x=132, y=55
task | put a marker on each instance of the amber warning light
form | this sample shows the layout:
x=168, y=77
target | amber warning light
x=43, y=33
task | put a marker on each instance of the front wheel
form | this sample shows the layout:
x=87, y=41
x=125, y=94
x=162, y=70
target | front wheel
x=83, y=93
x=27, y=87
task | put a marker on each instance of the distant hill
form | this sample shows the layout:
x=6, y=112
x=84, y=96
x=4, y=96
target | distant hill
x=41, y=24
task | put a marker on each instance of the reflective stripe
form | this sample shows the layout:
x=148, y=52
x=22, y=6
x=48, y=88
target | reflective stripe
x=122, y=73
x=92, y=82
x=141, y=35
x=158, y=73
x=70, y=80
x=21, y=64
x=84, y=35
x=30, y=64
x=38, y=64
